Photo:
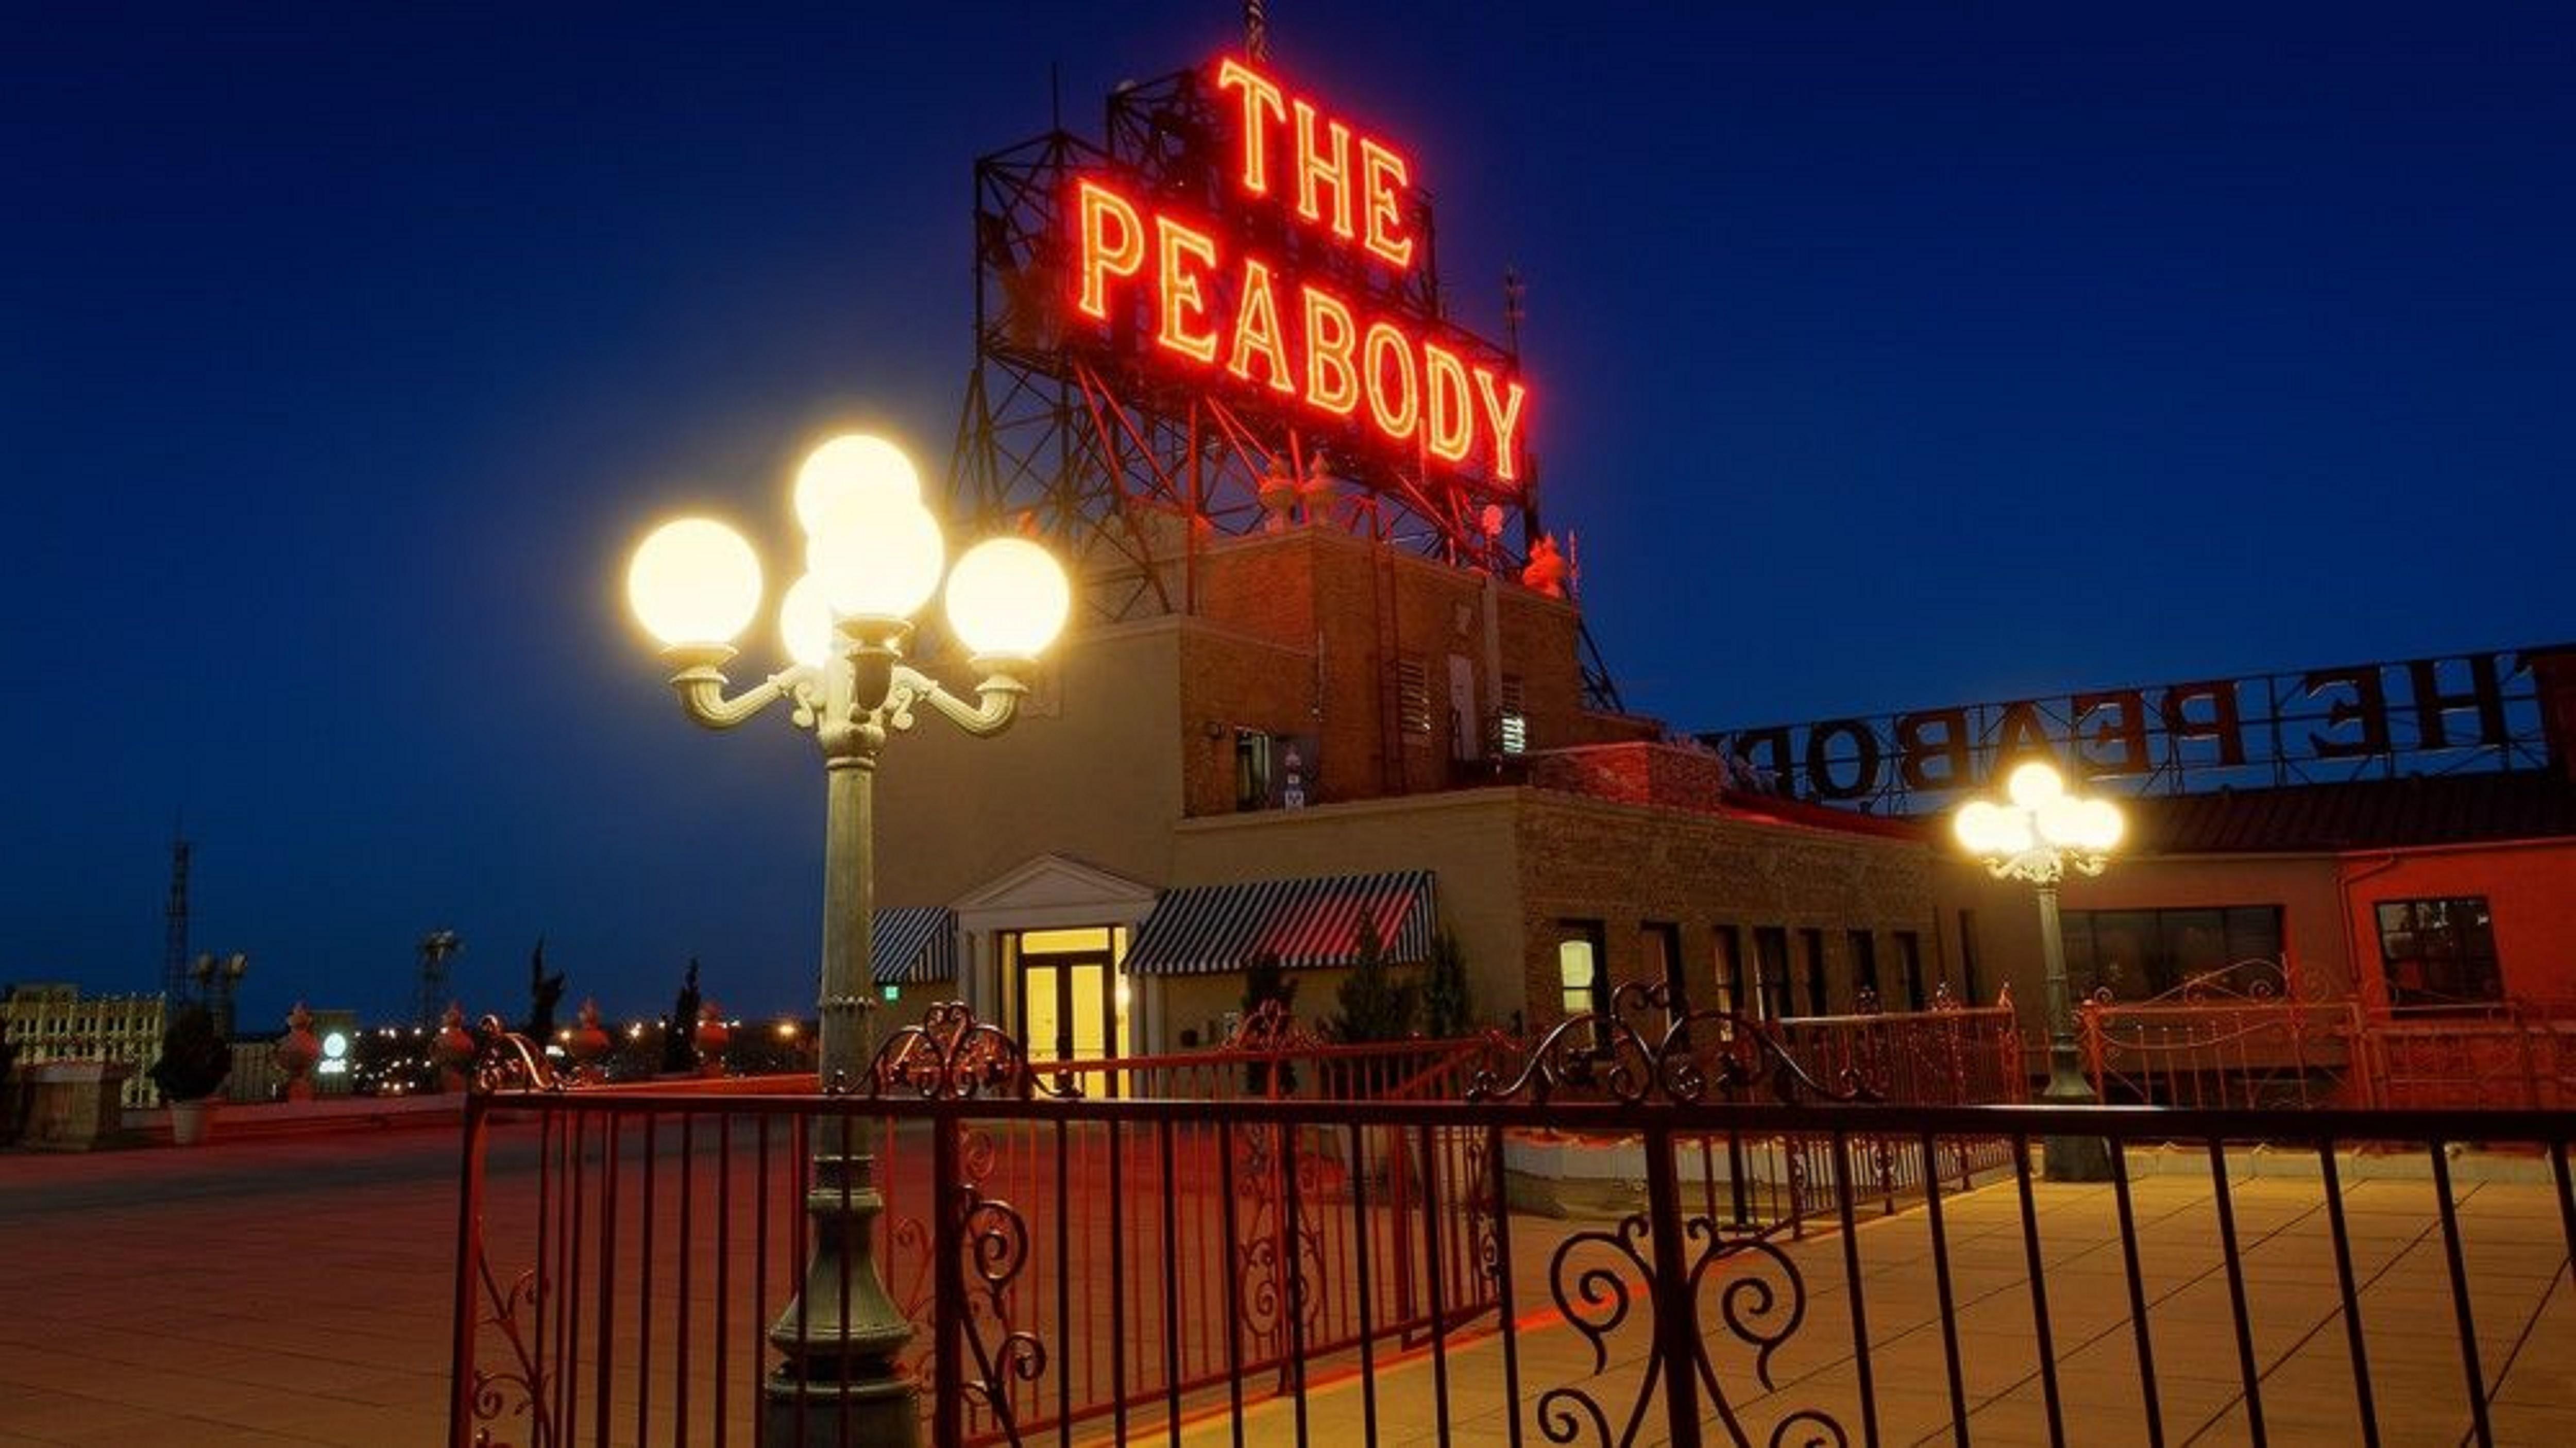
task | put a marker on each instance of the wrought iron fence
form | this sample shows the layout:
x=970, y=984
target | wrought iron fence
x=1086, y=1268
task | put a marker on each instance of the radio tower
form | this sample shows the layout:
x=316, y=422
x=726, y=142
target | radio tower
x=435, y=948
x=174, y=941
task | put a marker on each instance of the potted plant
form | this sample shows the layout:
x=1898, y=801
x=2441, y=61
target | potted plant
x=195, y=1059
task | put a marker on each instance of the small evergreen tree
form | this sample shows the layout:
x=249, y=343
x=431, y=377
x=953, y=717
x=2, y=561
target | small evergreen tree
x=543, y=992
x=679, y=1034
x=1447, y=1010
x=1374, y=1005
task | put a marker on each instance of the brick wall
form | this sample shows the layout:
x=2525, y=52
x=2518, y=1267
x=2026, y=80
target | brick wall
x=1337, y=615
x=1626, y=865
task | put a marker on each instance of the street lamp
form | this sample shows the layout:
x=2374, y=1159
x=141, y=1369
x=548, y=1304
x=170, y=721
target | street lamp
x=873, y=555
x=219, y=978
x=2037, y=835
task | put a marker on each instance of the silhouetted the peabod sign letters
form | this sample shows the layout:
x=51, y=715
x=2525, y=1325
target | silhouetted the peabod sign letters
x=2209, y=732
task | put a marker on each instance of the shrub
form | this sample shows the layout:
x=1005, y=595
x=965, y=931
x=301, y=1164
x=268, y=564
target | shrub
x=194, y=1057
x=1375, y=1006
x=1447, y=1011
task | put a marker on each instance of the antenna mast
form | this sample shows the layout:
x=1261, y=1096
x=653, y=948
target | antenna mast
x=174, y=942
x=435, y=948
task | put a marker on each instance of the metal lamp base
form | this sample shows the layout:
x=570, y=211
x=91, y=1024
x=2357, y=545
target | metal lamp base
x=883, y=1414
x=838, y=1386
x=2074, y=1158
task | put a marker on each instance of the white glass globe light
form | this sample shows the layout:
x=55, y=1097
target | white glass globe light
x=1007, y=598
x=2034, y=784
x=2011, y=834
x=852, y=465
x=1974, y=826
x=2064, y=821
x=694, y=581
x=805, y=622
x=878, y=555
x=2103, y=825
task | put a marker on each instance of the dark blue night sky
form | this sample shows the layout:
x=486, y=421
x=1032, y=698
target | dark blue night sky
x=1885, y=357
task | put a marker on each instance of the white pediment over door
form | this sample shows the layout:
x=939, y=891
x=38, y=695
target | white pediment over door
x=1053, y=891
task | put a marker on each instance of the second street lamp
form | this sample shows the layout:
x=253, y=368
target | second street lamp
x=873, y=557
x=2037, y=834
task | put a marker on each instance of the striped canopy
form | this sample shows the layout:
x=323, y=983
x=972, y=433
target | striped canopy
x=915, y=944
x=1215, y=929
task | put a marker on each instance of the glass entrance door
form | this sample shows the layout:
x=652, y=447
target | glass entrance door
x=1067, y=999
x=1064, y=1003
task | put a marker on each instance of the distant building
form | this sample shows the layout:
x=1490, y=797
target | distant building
x=50, y=1021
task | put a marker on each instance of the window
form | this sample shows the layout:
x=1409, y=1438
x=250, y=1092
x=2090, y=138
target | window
x=1251, y=769
x=1909, y=959
x=1864, y=953
x=2141, y=953
x=1771, y=971
x=1663, y=946
x=1579, y=969
x=1727, y=956
x=1413, y=696
x=1514, y=727
x=1811, y=944
x=2439, y=952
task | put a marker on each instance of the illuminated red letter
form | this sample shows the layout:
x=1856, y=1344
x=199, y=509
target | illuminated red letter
x=1504, y=412
x=1383, y=175
x=1330, y=337
x=1314, y=171
x=1450, y=414
x=1399, y=416
x=1097, y=259
x=1256, y=331
x=1184, y=300
x=1259, y=95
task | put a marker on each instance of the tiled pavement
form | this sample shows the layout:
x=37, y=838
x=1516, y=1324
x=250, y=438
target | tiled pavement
x=296, y=1291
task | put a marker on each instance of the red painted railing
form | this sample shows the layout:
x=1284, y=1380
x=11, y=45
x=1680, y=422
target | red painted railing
x=2250, y=1037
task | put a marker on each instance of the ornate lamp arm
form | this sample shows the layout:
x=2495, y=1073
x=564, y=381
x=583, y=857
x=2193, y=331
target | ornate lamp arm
x=997, y=698
x=698, y=678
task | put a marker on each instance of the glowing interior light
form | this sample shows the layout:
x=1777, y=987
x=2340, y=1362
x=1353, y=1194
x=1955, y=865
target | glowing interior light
x=2034, y=784
x=805, y=622
x=694, y=581
x=854, y=463
x=1007, y=598
x=877, y=556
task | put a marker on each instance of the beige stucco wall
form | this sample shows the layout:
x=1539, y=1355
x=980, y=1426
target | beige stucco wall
x=1091, y=770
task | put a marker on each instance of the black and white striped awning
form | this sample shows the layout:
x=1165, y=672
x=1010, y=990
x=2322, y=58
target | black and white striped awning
x=915, y=945
x=1215, y=929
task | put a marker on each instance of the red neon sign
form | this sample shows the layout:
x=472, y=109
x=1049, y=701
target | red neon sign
x=1206, y=301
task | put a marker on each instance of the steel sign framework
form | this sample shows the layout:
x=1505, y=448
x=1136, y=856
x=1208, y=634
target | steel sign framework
x=1156, y=360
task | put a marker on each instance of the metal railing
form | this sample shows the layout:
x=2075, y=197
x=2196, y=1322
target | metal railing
x=2249, y=1037
x=1087, y=1269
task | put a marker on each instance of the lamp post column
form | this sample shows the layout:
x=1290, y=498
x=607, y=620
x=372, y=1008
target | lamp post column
x=2067, y=1158
x=845, y=1011
x=836, y=1381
